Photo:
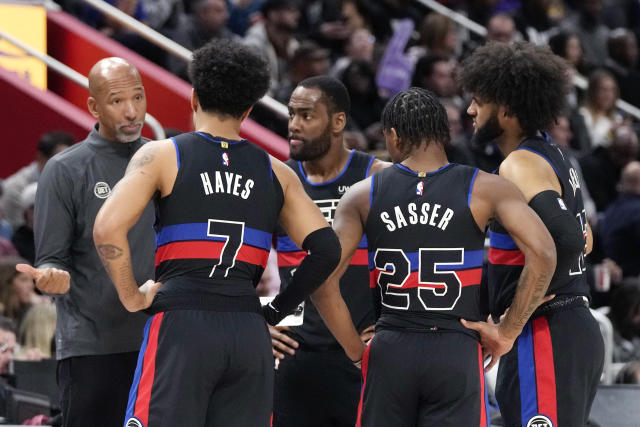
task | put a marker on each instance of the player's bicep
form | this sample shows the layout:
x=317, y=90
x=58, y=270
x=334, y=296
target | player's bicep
x=347, y=223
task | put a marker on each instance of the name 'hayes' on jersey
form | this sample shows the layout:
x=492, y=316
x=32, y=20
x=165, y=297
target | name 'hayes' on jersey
x=353, y=285
x=505, y=259
x=214, y=231
x=425, y=249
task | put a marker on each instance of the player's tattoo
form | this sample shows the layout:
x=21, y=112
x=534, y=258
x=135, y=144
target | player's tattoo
x=143, y=158
x=109, y=252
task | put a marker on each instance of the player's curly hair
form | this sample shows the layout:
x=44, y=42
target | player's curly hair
x=529, y=80
x=228, y=77
x=417, y=116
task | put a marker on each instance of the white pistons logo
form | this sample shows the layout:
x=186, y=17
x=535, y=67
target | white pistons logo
x=102, y=190
x=539, y=421
x=133, y=422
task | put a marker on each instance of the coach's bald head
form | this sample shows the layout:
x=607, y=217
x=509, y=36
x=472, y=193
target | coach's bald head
x=117, y=99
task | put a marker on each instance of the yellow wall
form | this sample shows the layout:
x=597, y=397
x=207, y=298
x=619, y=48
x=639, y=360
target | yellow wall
x=29, y=25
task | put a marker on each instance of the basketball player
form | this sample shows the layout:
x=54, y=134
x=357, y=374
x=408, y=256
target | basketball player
x=317, y=116
x=206, y=356
x=518, y=91
x=424, y=219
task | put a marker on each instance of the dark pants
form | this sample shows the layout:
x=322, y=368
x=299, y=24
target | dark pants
x=94, y=389
x=420, y=379
x=316, y=389
x=550, y=376
x=203, y=369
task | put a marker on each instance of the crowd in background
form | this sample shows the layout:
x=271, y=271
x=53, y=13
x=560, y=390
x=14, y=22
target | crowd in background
x=378, y=48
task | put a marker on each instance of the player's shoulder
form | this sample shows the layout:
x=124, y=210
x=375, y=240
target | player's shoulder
x=377, y=165
x=524, y=164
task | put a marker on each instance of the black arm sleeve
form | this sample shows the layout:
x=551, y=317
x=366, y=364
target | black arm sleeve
x=324, y=255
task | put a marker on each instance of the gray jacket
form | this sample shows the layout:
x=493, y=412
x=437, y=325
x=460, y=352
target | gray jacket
x=73, y=186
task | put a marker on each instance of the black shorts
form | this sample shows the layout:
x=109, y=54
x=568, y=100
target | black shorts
x=415, y=379
x=552, y=372
x=316, y=389
x=203, y=368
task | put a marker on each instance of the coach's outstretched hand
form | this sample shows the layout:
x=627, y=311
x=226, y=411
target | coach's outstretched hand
x=494, y=342
x=48, y=280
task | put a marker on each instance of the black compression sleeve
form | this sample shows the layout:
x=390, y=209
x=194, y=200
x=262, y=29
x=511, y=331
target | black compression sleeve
x=324, y=255
x=564, y=227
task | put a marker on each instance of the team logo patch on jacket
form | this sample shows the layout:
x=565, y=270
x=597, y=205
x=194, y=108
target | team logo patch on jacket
x=102, y=190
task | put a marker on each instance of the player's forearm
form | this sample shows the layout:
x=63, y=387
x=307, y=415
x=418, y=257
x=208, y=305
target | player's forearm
x=532, y=287
x=115, y=255
x=336, y=316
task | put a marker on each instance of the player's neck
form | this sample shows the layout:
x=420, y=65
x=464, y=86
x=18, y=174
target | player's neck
x=329, y=166
x=426, y=160
x=510, y=140
x=225, y=127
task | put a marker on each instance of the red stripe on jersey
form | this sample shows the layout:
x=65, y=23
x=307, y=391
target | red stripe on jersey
x=545, y=370
x=467, y=278
x=143, y=398
x=208, y=250
x=506, y=257
x=291, y=259
x=365, y=368
x=483, y=407
x=360, y=257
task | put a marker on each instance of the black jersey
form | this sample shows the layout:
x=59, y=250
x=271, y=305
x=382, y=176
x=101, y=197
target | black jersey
x=215, y=228
x=313, y=333
x=425, y=247
x=505, y=259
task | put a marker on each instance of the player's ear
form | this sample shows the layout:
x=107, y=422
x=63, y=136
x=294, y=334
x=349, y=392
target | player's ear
x=338, y=122
x=195, y=104
x=246, y=113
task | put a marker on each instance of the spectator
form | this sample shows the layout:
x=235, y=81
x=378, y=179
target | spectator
x=50, y=144
x=602, y=167
x=17, y=290
x=598, y=112
x=36, y=333
x=623, y=61
x=23, y=239
x=360, y=47
x=308, y=60
x=567, y=45
x=438, y=36
x=6, y=231
x=7, y=346
x=629, y=374
x=207, y=21
x=587, y=24
x=436, y=74
x=502, y=28
x=274, y=37
x=243, y=14
x=625, y=317
x=620, y=228
x=533, y=21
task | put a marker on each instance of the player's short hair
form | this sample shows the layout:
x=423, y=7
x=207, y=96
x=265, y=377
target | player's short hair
x=335, y=94
x=228, y=77
x=528, y=80
x=417, y=116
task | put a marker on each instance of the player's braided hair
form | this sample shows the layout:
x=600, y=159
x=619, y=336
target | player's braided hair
x=529, y=80
x=417, y=116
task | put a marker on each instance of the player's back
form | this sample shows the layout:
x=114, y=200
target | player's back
x=505, y=259
x=425, y=248
x=214, y=230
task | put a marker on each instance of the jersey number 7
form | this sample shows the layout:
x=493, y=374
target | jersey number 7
x=233, y=234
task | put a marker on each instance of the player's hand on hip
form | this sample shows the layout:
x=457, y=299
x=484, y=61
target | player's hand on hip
x=148, y=290
x=367, y=334
x=48, y=280
x=281, y=343
x=494, y=342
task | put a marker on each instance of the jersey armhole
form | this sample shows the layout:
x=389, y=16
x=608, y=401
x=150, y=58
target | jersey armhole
x=175, y=144
x=371, y=192
x=473, y=180
x=366, y=174
x=270, y=165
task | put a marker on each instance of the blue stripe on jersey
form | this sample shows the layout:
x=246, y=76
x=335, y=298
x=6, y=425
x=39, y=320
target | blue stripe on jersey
x=270, y=166
x=473, y=179
x=501, y=241
x=371, y=192
x=285, y=244
x=304, y=175
x=527, y=374
x=366, y=174
x=133, y=392
x=472, y=259
x=175, y=144
x=220, y=139
x=198, y=231
x=541, y=155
